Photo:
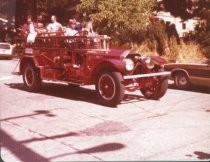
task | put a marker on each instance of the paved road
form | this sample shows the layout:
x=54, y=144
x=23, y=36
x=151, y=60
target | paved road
x=64, y=124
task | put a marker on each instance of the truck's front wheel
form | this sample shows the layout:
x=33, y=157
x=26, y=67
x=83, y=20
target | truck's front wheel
x=157, y=89
x=31, y=78
x=110, y=88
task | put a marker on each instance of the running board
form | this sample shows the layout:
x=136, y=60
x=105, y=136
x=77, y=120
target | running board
x=62, y=82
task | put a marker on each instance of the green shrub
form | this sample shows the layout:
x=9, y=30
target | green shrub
x=156, y=37
x=172, y=51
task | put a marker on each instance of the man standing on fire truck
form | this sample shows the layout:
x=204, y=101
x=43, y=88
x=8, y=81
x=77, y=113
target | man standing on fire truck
x=29, y=30
x=54, y=26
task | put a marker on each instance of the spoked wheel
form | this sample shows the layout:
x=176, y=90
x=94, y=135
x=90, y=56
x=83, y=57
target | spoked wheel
x=181, y=80
x=31, y=78
x=157, y=89
x=110, y=88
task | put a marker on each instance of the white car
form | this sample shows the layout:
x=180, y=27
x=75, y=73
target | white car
x=6, y=50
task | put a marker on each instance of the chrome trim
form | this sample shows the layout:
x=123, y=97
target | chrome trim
x=29, y=50
x=146, y=75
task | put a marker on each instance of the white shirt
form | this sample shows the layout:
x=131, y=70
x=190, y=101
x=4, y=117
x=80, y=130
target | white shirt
x=32, y=34
x=54, y=27
x=70, y=32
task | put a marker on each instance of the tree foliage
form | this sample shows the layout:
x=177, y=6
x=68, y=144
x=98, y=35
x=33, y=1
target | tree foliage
x=63, y=9
x=187, y=9
x=184, y=8
x=202, y=36
x=124, y=20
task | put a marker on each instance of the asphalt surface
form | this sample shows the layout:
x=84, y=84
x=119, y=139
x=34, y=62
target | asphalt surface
x=65, y=124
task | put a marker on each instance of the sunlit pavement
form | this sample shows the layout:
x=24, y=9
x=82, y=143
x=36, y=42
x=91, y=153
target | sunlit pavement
x=65, y=124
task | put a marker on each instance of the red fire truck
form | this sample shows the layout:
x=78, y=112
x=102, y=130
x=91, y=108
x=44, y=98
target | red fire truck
x=88, y=60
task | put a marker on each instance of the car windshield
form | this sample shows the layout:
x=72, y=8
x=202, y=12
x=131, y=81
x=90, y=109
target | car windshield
x=4, y=46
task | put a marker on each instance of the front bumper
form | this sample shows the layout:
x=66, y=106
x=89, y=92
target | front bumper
x=147, y=75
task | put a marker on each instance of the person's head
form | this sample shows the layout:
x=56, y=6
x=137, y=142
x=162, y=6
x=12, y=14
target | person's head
x=53, y=18
x=29, y=19
x=72, y=23
x=39, y=17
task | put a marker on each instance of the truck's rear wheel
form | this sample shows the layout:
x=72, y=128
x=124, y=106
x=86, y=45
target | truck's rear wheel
x=31, y=78
x=110, y=88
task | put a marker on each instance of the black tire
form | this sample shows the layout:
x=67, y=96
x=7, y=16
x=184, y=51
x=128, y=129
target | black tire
x=181, y=80
x=31, y=78
x=157, y=90
x=110, y=88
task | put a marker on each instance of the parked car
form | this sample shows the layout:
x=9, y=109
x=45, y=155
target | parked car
x=6, y=50
x=185, y=74
x=88, y=60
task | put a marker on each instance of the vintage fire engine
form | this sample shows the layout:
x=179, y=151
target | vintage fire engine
x=88, y=60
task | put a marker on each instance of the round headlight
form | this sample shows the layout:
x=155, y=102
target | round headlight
x=129, y=64
x=149, y=63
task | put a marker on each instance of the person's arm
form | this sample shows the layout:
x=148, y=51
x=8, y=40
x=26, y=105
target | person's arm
x=49, y=28
x=25, y=29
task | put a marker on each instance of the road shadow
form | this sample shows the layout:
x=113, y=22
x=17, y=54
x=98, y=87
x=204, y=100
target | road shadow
x=36, y=113
x=24, y=153
x=95, y=149
x=19, y=150
x=74, y=93
x=200, y=155
x=193, y=88
x=101, y=148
